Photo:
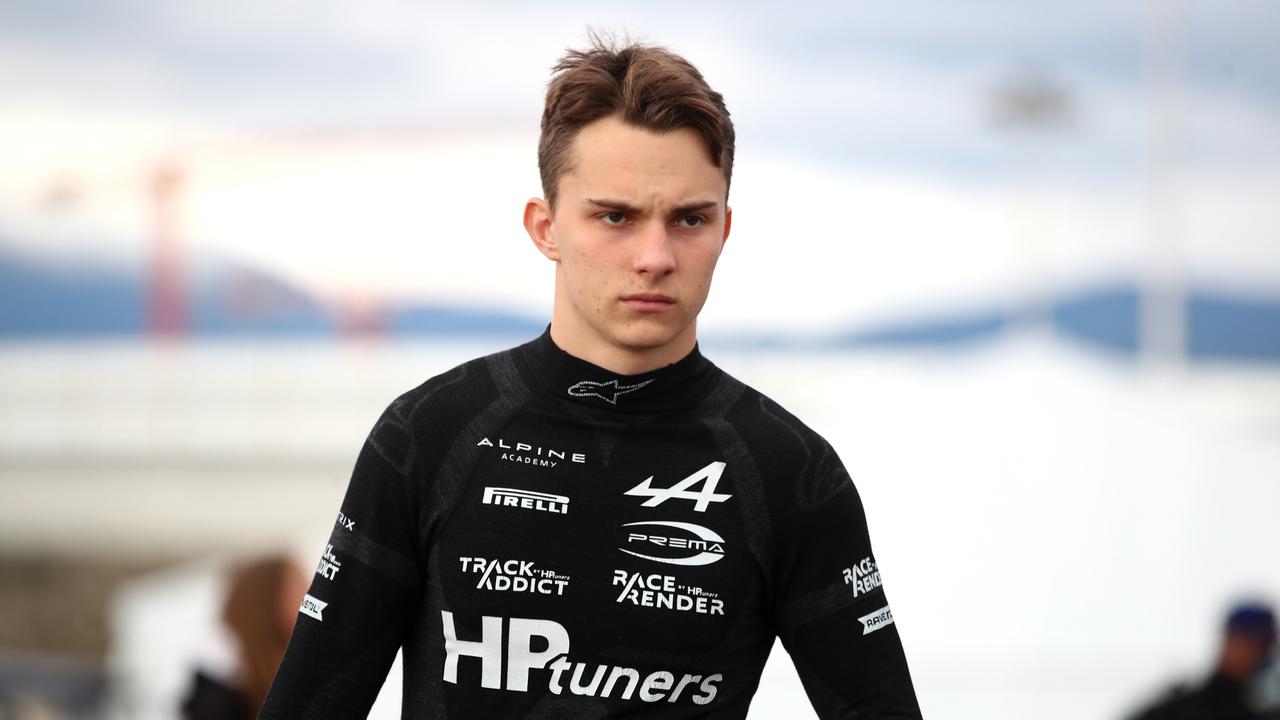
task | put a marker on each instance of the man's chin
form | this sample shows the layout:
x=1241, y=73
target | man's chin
x=646, y=335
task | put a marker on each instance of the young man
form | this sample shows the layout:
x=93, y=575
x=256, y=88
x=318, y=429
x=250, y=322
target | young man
x=600, y=522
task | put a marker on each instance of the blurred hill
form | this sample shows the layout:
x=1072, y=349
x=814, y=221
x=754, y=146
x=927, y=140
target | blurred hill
x=43, y=298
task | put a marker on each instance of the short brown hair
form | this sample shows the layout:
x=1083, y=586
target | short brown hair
x=644, y=85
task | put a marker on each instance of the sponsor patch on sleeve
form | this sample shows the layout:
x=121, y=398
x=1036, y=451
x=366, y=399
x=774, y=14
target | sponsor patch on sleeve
x=313, y=607
x=873, y=621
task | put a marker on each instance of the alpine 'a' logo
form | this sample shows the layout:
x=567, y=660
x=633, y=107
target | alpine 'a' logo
x=709, y=476
x=651, y=536
x=607, y=391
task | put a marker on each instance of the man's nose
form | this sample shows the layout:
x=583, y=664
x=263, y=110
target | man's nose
x=654, y=253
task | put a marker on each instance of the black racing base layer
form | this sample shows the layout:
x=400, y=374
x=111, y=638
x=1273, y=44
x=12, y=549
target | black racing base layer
x=547, y=539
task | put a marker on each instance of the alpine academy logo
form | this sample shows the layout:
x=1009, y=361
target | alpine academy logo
x=527, y=499
x=529, y=454
x=654, y=540
x=607, y=391
x=709, y=476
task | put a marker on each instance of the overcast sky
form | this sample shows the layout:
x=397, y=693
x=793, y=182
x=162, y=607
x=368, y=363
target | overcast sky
x=388, y=146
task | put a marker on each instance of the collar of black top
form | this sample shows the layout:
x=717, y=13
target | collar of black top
x=674, y=386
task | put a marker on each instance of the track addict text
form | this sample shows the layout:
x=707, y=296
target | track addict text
x=578, y=678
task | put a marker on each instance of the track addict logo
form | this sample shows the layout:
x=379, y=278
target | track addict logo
x=604, y=681
x=655, y=536
x=662, y=591
x=329, y=564
x=534, y=455
x=517, y=576
x=607, y=391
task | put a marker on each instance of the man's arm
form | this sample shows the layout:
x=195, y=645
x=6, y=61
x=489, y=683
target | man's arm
x=833, y=616
x=366, y=587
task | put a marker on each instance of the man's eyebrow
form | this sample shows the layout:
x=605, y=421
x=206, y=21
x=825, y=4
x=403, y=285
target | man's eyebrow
x=627, y=207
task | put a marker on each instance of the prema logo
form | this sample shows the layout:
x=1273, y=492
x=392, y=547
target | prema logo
x=655, y=536
x=577, y=678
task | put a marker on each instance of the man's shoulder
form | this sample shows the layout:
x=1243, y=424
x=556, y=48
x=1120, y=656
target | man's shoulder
x=754, y=411
x=784, y=448
x=457, y=394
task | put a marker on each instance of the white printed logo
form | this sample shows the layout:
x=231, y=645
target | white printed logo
x=876, y=620
x=514, y=576
x=313, y=607
x=707, y=546
x=329, y=564
x=864, y=577
x=535, y=455
x=566, y=675
x=607, y=391
x=526, y=499
x=662, y=591
x=709, y=476
x=345, y=522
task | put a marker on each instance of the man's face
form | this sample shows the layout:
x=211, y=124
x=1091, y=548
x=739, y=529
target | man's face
x=638, y=227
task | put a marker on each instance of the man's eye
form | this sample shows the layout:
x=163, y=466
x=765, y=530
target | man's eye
x=692, y=221
x=613, y=218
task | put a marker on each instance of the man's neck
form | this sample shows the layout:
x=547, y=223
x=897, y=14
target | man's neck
x=623, y=360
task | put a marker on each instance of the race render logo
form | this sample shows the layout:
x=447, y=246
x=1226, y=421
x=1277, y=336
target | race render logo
x=517, y=576
x=655, y=536
x=526, y=499
x=863, y=577
x=534, y=455
x=516, y=653
x=663, y=592
x=329, y=564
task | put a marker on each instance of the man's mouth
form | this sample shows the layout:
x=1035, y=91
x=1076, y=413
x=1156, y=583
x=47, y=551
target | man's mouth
x=648, y=302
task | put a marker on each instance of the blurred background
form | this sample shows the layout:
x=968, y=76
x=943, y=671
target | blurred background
x=1018, y=262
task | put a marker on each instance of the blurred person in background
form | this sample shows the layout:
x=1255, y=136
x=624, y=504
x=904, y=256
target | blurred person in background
x=1248, y=641
x=601, y=522
x=260, y=611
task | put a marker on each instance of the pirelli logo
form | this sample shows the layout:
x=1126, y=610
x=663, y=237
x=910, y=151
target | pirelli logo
x=526, y=499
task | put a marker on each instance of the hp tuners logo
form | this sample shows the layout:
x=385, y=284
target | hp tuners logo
x=577, y=678
x=674, y=543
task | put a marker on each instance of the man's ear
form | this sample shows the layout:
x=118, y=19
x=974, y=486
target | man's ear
x=537, y=222
x=728, y=221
